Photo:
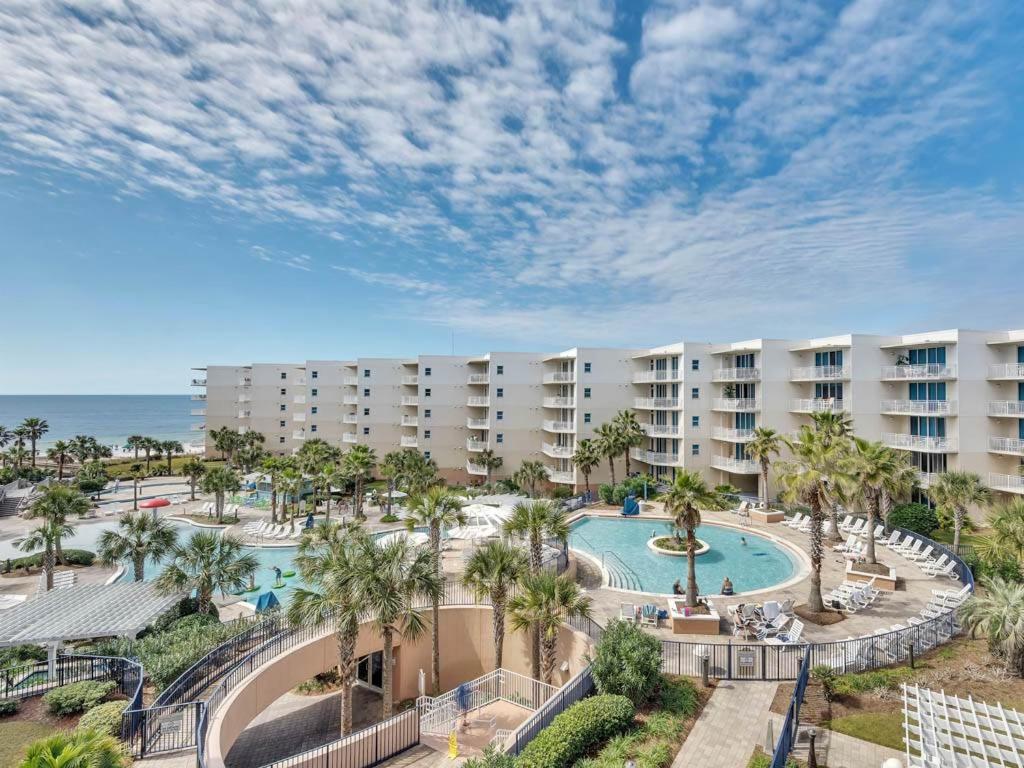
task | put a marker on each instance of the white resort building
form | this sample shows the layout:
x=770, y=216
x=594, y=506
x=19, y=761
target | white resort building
x=954, y=399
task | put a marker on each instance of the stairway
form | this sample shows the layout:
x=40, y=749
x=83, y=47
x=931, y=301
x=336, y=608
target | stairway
x=9, y=505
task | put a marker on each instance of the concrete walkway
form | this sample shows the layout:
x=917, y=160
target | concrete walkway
x=731, y=725
x=837, y=750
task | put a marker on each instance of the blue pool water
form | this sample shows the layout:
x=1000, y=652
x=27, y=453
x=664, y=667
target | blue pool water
x=758, y=564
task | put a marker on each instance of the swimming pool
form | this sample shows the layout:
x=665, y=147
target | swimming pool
x=621, y=545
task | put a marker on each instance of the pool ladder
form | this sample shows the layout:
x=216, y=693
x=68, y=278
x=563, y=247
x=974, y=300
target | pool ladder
x=620, y=574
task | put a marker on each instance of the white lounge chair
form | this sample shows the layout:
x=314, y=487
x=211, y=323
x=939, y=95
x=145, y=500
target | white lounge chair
x=907, y=542
x=627, y=612
x=790, y=636
x=795, y=521
x=879, y=534
x=848, y=546
x=952, y=597
x=772, y=628
x=925, y=554
x=894, y=538
x=913, y=549
x=847, y=524
x=858, y=527
x=940, y=570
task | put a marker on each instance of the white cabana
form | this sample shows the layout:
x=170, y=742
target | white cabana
x=483, y=514
x=415, y=538
x=501, y=499
x=472, y=532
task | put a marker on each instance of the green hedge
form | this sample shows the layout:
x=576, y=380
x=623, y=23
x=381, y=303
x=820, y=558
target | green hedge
x=71, y=557
x=77, y=697
x=914, y=517
x=105, y=718
x=9, y=707
x=577, y=730
x=627, y=662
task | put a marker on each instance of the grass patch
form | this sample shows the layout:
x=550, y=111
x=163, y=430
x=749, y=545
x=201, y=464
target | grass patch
x=885, y=728
x=15, y=736
x=890, y=678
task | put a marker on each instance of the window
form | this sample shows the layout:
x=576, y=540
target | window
x=695, y=393
x=499, y=438
x=500, y=392
x=426, y=413
x=366, y=393
x=283, y=423
x=283, y=375
x=426, y=434
x=586, y=418
x=366, y=430
x=366, y=373
x=313, y=409
x=695, y=421
x=283, y=391
x=312, y=427
x=695, y=449
x=586, y=392
x=499, y=369
x=426, y=392
x=366, y=411
x=499, y=415
x=695, y=364
x=426, y=454
x=426, y=371
x=313, y=392
x=313, y=374
x=280, y=439
x=586, y=367
x=284, y=407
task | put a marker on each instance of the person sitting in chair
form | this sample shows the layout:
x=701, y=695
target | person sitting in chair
x=677, y=588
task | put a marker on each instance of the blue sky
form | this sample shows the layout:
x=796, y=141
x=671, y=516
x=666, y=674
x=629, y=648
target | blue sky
x=270, y=181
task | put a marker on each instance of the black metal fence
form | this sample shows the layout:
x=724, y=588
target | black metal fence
x=791, y=724
x=33, y=679
x=578, y=687
x=364, y=748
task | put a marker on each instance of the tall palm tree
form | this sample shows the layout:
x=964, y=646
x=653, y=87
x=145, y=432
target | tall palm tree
x=956, y=492
x=290, y=482
x=762, y=448
x=389, y=581
x=149, y=447
x=530, y=473
x=221, y=481
x=871, y=467
x=418, y=472
x=6, y=437
x=46, y=536
x=585, y=459
x=901, y=480
x=60, y=454
x=684, y=501
x=609, y=445
x=272, y=467
x=545, y=601
x=834, y=428
x=316, y=457
x=492, y=572
x=137, y=475
x=82, y=447
x=18, y=454
x=138, y=537
x=631, y=434
x=134, y=444
x=193, y=468
x=998, y=613
x=327, y=564
x=437, y=508
x=34, y=429
x=1006, y=540
x=359, y=463
x=207, y=563
x=57, y=505
x=490, y=461
x=390, y=470
x=170, y=448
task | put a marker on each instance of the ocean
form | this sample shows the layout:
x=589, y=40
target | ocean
x=108, y=418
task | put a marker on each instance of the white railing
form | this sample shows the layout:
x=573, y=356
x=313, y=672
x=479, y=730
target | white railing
x=475, y=469
x=350, y=381
x=299, y=399
x=1006, y=371
x=915, y=407
x=558, y=426
x=662, y=430
x=245, y=398
x=201, y=398
x=244, y=381
x=350, y=399
x=816, y=405
x=480, y=402
x=298, y=417
x=198, y=382
x=1006, y=408
x=410, y=421
x=410, y=381
x=243, y=414
x=1012, y=445
x=559, y=402
x=197, y=412
x=410, y=400
x=738, y=466
x=919, y=442
x=732, y=435
x=927, y=479
x=350, y=418
x=655, y=403
x=560, y=476
x=648, y=377
x=557, y=451
x=654, y=457
x=926, y=371
x=198, y=427
x=560, y=377
x=819, y=372
x=736, y=404
x=349, y=437
x=475, y=445
x=1009, y=483
x=735, y=374
x=478, y=424
x=299, y=434
x=197, y=444
x=409, y=442
x=478, y=378
x=439, y=716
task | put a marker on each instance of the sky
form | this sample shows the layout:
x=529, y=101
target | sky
x=276, y=181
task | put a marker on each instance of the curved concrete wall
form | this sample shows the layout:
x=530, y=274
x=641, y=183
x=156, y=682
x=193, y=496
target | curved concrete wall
x=467, y=652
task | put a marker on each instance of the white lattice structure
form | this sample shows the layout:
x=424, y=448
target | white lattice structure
x=950, y=732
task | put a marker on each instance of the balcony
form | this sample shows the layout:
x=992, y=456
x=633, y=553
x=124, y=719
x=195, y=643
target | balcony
x=299, y=434
x=919, y=407
x=736, y=374
x=410, y=421
x=244, y=381
x=409, y=442
x=410, y=381
x=557, y=451
x=299, y=416
x=350, y=418
x=197, y=412
x=478, y=378
x=244, y=414
x=816, y=405
x=478, y=424
x=300, y=381
x=921, y=443
x=560, y=377
x=1007, y=371
x=476, y=469
x=934, y=371
x=199, y=398
x=299, y=399
x=1012, y=408
x=651, y=377
x=736, y=404
x=1006, y=483
x=559, y=402
x=560, y=476
x=476, y=445
x=350, y=400
x=1013, y=446
x=662, y=430
x=350, y=381
x=927, y=479
x=410, y=400
x=820, y=373
x=245, y=398
x=656, y=403
x=558, y=426
x=654, y=457
x=198, y=382
x=349, y=437
x=198, y=427
x=478, y=402
x=736, y=466
x=732, y=435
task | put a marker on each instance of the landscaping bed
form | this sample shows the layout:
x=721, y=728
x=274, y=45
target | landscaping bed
x=30, y=723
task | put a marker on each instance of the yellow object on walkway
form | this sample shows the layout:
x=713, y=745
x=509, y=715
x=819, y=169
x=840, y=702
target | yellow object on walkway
x=453, y=746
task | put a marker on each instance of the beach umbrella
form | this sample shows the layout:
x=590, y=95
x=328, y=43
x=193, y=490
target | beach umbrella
x=415, y=538
x=154, y=504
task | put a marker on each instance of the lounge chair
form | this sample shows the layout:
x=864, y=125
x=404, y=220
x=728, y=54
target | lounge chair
x=913, y=549
x=940, y=570
x=847, y=524
x=894, y=538
x=952, y=597
x=923, y=555
x=795, y=521
x=849, y=545
x=787, y=607
x=296, y=534
x=649, y=615
x=879, y=534
x=790, y=636
x=627, y=612
x=772, y=628
x=858, y=527
x=771, y=609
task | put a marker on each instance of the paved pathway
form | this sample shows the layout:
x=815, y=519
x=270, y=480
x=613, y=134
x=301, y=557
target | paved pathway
x=731, y=725
x=837, y=750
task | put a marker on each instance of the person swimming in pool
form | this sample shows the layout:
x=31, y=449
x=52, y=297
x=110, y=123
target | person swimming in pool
x=743, y=540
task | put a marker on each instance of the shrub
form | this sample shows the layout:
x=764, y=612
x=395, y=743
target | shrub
x=618, y=495
x=561, y=492
x=627, y=662
x=606, y=493
x=635, y=485
x=914, y=517
x=827, y=676
x=77, y=697
x=389, y=518
x=577, y=730
x=491, y=758
x=104, y=718
x=71, y=557
x=9, y=707
x=185, y=607
x=19, y=655
x=86, y=748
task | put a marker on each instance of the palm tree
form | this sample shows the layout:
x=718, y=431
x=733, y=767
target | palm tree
x=290, y=482
x=83, y=447
x=437, y=508
x=46, y=536
x=18, y=454
x=390, y=578
x=998, y=613
x=418, y=472
x=544, y=602
x=358, y=464
x=585, y=459
x=272, y=467
x=631, y=434
x=490, y=461
x=220, y=481
x=1006, y=540
x=764, y=445
x=530, y=473
x=206, y=563
x=390, y=470
x=683, y=501
x=956, y=492
x=327, y=564
x=56, y=506
x=834, y=428
x=137, y=474
x=34, y=429
x=138, y=537
x=59, y=454
x=170, y=448
x=492, y=572
x=193, y=468
x=608, y=441
x=75, y=749
x=135, y=443
x=6, y=437
x=149, y=447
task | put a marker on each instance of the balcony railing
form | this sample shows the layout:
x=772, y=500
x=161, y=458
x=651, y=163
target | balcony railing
x=927, y=371
x=410, y=381
x=650, y=377
x=299, y=416
x=244, y=381
x=736, y=404
x=350, y=381
x=557, y=451
x=349, y=437
x=409, y=442
x=736, y=374
x=1008, y=483
x=559, y=402
x=478, y=423
x=558, y=426
x=299, y=434
x=1006, y=371
x=1013, y=408
x=476, y=469
x=299, y=399
x=410, y=400
x=656, y=403
x=476, y=445
x=350, y=399
x=816, y=405
x=478, y=402
x=410, y=421
x=197, y=412
x=662, y=430
x=198, y=427
x=243, y=398
x=919, y=407
x=478, y=378
x=736, y=466
x=560, y=476
x=350, y=418
x=1011, y=445
x=907, y=442
x=198, y=382
x=819, y=373
x=654, y=457
x=200, y=398
x=244, y=414
x=927, y=479
x=560, y=377
x=732, y=435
